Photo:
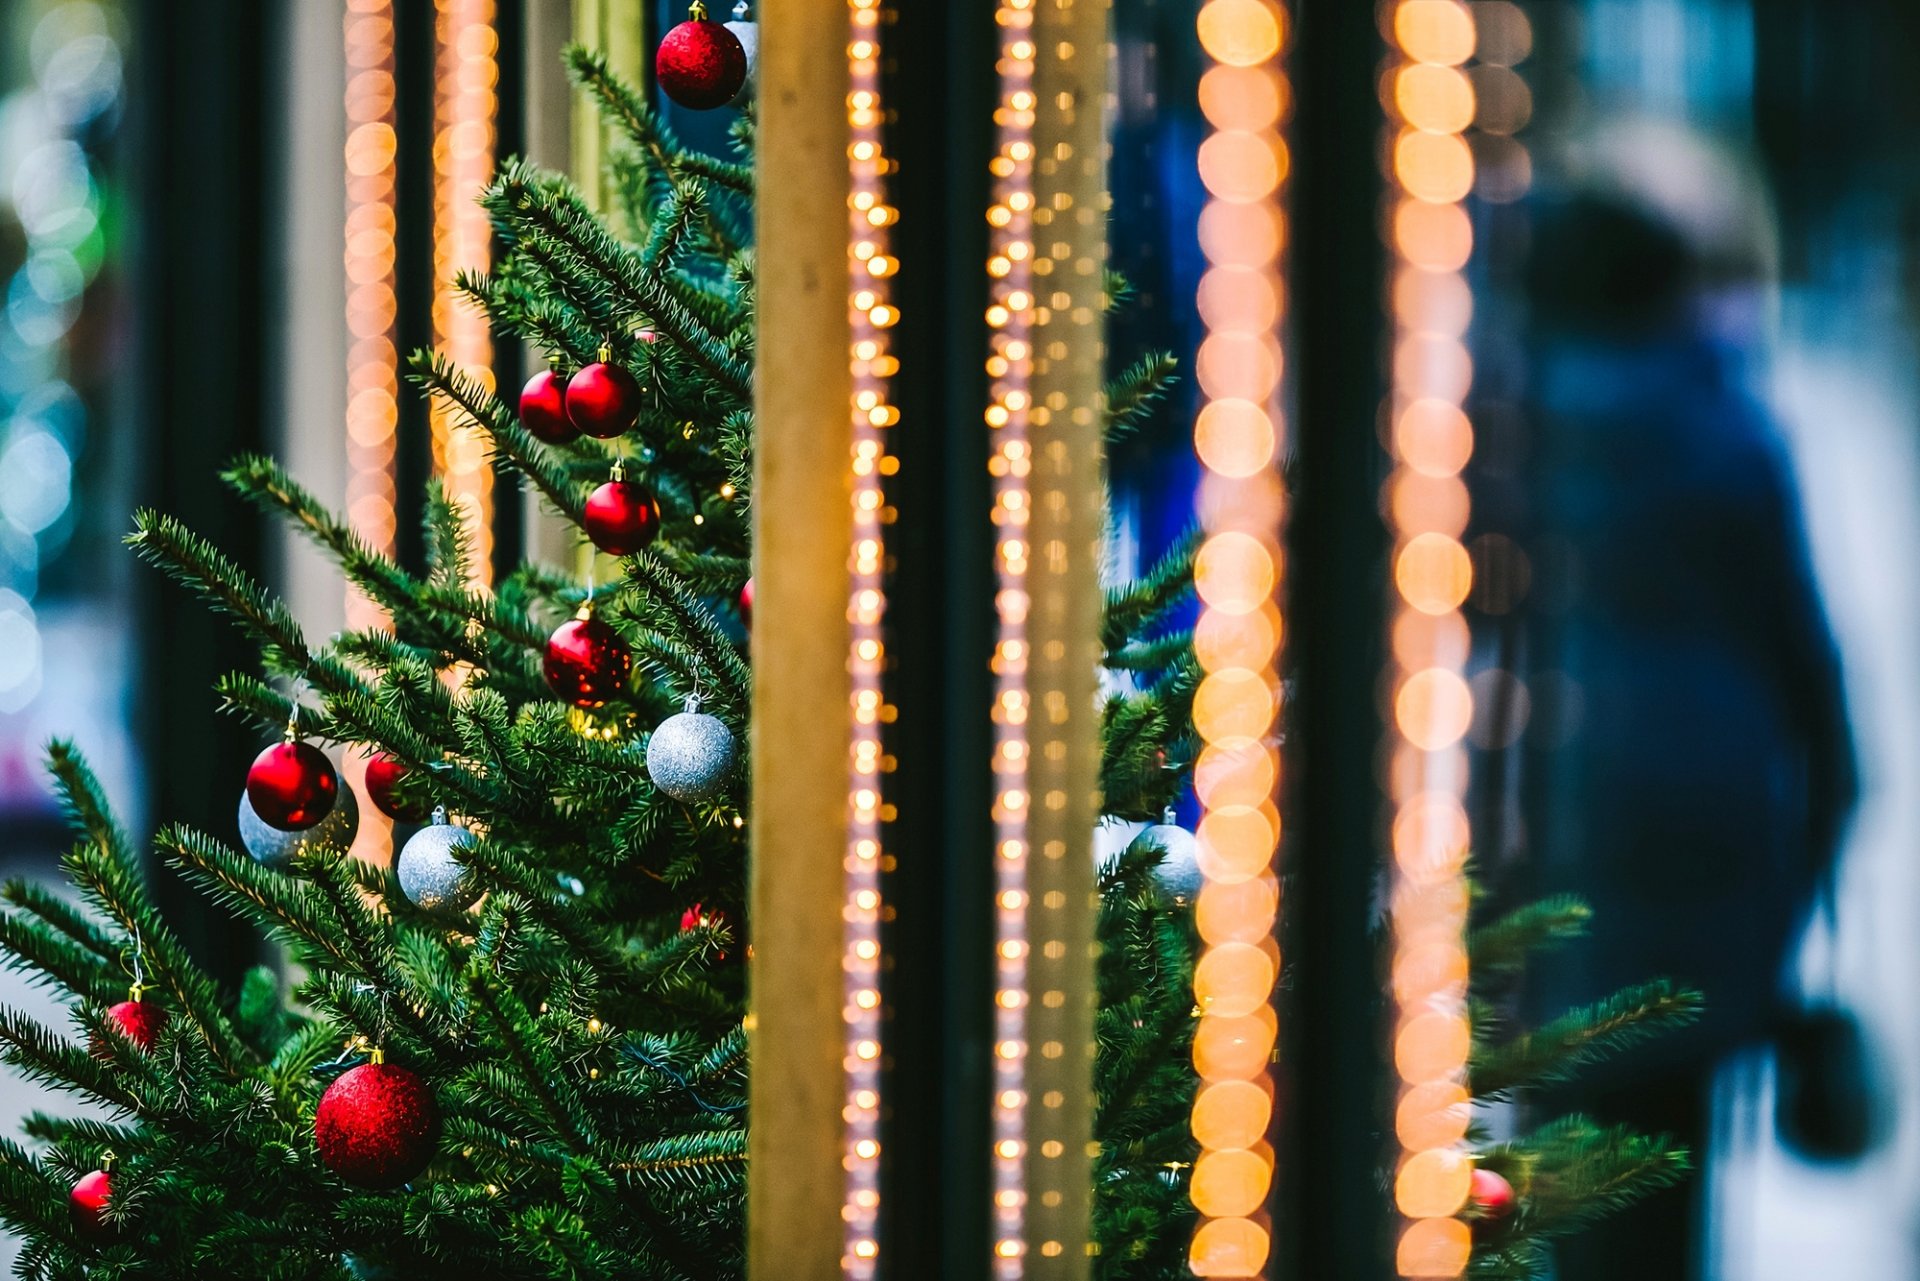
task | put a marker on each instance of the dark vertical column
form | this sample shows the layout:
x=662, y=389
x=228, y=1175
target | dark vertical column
x=1332, y=1207
x=206, y=125
x=413, y=57
x=509, y=360
x=939, y=90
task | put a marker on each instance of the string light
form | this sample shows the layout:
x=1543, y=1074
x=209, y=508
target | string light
x=373, y=362
x=1237, y=434
x=871, y=314
x=465, y=104
x=1430, y=109
x=1010, y=364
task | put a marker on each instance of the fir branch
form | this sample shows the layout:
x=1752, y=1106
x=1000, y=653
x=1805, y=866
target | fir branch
x=1134, y=607
x=440, y=377
x=1504, y=946
x=1558, y=1050
x=104, y=870
x=1133, y=395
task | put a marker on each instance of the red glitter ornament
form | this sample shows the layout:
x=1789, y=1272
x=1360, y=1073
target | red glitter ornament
x=621, y=517
x=88, y=1203
x=543, y=408
x=139, y=1021
x=603, y=400
x=701, y=64
x=587, y=663
x=1491, y=1197
x=292, y=786
x=746, y=601
x=384, y=772
x=377, y=1125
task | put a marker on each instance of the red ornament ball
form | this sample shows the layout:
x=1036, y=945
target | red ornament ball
x=701, y=64
x=1492, y=1196
x=603, y=400
x=543, y=408
x=700, y=915
x=621, y=517
x=587, y=663
x=292, y=786
x=384, y=772
x=746, y=601
x=88, y=1204
x=377, y=1125
x=139, y=1021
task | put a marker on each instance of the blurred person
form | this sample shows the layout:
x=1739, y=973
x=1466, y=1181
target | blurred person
x=1707, y=773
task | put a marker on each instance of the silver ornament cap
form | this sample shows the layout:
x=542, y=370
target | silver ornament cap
x=271, y=847
x=691, y=754
x=430, y=876
x=1178, y=873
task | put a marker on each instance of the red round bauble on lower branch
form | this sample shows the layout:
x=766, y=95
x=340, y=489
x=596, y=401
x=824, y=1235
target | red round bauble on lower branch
x=138, y=1019
x=603, y=400
x=701, y=64
x=87, y=1203
x=292, y=786
x=377, y=1125
x=587, y=664
x=1491, y=1198
x=543, y=407
x=621, y=517
x=385, y=772
x=746, y=601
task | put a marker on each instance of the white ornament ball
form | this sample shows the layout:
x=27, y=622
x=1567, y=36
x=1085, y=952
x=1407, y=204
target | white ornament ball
x=1179, y=872
x=747, y=32
x=690, y=755
x=430, y=876
x=274, y=848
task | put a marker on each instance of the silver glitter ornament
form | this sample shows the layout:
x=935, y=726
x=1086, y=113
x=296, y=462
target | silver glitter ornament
x=690, y=755
x=1179, y=872
x=430, y=876
x=274, y=848
x=747, y=32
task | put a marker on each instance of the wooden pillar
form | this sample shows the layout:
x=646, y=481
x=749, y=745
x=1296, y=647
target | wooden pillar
x=802, y=533
x=1067, y=486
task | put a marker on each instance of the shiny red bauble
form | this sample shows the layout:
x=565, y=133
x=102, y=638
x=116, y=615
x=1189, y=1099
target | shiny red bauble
x=88, y=1204
x=701, y=64
x=377, y=1125
x=543, y=408
x=139, y=1021
x=621, y=517
x=603, y=400
x=587, y=663
x=292, y=786
x=1491, y=1196
x=384, y=772
x=746, y=601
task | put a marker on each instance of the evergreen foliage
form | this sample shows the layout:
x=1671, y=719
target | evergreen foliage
x=1568, y=1172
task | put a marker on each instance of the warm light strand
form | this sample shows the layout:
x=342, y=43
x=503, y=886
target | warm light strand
x=1429, y=111
x=465, y=103
x=1010, y=365
x=872, y=315
x=1238, y=433
x=373, y=361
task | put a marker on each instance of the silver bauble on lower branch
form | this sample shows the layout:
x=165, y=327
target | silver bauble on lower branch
x=430, y=874
x=747, y=32
x=274, y=848
x=691, y=754
x=1179, y=872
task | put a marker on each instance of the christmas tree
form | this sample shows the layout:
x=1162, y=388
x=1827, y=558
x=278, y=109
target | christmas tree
x=519, y=1052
